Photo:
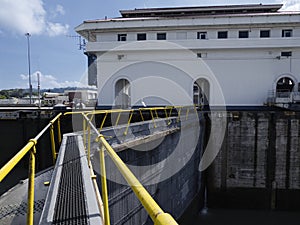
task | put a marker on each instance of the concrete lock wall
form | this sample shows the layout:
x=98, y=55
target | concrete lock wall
x=172, y=192
x=259, y=163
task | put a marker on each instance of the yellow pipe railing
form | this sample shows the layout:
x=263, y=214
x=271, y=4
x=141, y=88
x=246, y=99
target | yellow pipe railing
x=58, y=130
x=155, y=212
x=52, y=143
x=158, y=216
x=84, y=133
x=30, y=197
x=30, y=147
x=104, y=186
x=89, y=146
x=119, y=111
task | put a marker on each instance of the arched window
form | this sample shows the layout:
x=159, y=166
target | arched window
x=196, y=94
x=284, y=86
x=201, y=92
x=122, y=94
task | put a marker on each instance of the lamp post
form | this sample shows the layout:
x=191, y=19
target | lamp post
x=29, y=72
x=39, y=87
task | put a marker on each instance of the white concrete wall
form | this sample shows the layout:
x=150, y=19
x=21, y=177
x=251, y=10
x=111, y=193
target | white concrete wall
x=244, y=75
x=156, y=74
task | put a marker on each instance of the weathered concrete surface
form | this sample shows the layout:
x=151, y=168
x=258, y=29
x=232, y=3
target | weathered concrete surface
x=259, y=163
x=13, y=204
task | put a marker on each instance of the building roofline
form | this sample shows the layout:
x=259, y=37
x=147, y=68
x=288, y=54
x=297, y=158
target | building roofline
x=282, y=13
x=200, y=10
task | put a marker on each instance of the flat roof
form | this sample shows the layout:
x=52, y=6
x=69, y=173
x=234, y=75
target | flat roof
x=200, y=10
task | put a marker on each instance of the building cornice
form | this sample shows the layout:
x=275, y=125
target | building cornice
x=88, y=29
x=201, y=10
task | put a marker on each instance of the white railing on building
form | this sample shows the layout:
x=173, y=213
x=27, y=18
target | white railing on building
x=283, y=97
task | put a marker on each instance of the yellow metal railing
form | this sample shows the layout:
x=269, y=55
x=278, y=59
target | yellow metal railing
x=168, y=110
x=31, y=148
x=158, y=216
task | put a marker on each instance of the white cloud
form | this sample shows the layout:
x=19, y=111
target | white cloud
x=60, y=10
x=57, y=11
x=49, y=81
x=291, y=5
x=54, y=29
x=21, y=17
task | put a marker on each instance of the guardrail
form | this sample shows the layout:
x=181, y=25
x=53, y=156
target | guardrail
x=283, y=96
x=158, y=216
x=155, y=212
x=31, y=147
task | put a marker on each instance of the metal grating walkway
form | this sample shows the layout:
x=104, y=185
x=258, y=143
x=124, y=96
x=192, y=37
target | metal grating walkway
x=70, y=205
x=71, y=198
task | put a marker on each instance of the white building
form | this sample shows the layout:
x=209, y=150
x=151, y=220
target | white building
x=240, y=55
x=81, y=95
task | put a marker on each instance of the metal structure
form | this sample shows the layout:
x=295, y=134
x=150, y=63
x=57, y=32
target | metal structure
x=158, y=216
x=28, y=35
x=39, y=90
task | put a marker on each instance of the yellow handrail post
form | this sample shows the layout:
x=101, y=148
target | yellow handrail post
x=128, y=123
x=156, y=113
x=104, y=186
x=103, y=121
x=166, y=114
x=141, y=115
x=52, y=143
x=30, y=196
x=170, y=113
x=179, y=112
x=187, y=113
x=84, y=132
x=118, y=118
x=58, y=130
x=152, y=118
x=92, y=117
x=89, y=145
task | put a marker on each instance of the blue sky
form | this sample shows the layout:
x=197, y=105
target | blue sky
x=54, y=55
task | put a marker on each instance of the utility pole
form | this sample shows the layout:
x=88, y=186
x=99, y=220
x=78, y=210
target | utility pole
x=39, y=87
x=29, y=71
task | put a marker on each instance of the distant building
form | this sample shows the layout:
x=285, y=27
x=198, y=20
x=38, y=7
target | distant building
x=88, y=97
x=10, y=101
x=163, y=55
x=70, y=97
